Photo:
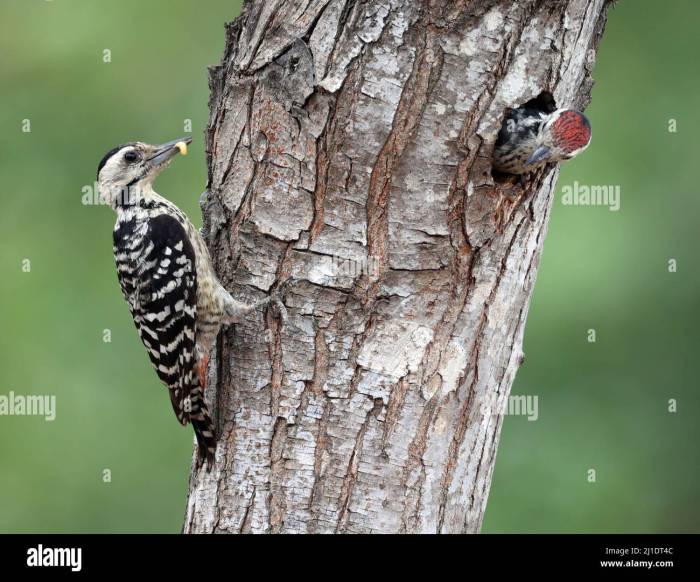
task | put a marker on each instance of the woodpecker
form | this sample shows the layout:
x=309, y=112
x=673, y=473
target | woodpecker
x=530, y=138
x=167, y=278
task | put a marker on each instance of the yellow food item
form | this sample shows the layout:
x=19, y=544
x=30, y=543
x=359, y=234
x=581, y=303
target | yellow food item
x=182, y=146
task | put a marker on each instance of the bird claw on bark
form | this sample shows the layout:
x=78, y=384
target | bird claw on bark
x=280, y=309
x=276, y=300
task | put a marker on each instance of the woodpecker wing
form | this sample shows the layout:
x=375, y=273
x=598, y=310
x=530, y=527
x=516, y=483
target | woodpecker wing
x=165, y=307
x=517, y=139
x=520, y=125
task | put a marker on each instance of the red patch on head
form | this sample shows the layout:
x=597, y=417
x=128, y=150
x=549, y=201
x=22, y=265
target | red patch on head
x=572, y=131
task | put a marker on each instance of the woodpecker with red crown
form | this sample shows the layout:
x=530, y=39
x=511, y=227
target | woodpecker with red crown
x=531, y=138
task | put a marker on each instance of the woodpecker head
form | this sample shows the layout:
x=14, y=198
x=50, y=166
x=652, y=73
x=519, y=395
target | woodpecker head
x=125, y=174
x=565, y=134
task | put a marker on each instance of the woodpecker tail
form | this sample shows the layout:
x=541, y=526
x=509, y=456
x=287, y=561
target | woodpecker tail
x=203, y=426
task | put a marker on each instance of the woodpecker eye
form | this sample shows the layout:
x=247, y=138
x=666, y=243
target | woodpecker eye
x=131, y=156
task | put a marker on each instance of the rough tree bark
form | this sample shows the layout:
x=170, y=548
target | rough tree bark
x=349, y=148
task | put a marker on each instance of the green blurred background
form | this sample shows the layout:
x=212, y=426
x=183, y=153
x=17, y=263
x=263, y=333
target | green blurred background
x=602, y=405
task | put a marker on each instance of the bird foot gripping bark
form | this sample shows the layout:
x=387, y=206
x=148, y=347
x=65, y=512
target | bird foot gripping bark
x=235, y=311
x=275, y=300
x=280, y=308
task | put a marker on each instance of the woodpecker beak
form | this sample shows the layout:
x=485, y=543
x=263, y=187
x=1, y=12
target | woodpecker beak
x=164, y=152
x=541, y=154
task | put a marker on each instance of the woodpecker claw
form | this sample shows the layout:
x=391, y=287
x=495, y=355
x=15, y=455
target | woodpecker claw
x=276, y=299
x=281, y=309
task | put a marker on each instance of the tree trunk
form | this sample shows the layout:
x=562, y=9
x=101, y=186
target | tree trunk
x=349, y=149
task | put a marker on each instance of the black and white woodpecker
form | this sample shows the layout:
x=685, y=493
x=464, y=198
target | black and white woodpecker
x=166, y=275
x=530, y=138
